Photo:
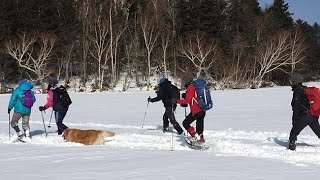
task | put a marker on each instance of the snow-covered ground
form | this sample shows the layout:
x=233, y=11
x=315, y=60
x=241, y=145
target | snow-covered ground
x=247, y=132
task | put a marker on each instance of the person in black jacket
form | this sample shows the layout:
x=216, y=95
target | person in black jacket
x=166, y=94
x=300, y=108
x=54, y=101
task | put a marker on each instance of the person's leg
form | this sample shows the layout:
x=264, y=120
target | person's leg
x=170, y=114
x=200, y=122
x=25, y=125
x=186, y=124
x=297, y=127
x=314, y=125
x=165, y=123
x=60, y=116
x=25, y=121
x=15, y=120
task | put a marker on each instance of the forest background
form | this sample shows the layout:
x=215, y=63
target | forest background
x=233, y=43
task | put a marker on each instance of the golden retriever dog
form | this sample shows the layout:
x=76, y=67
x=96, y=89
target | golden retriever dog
x=86, y=137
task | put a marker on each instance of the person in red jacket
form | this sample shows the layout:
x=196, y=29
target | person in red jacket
x=196, y=113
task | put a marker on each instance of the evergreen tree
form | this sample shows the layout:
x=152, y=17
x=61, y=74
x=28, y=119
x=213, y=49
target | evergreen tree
x=278, y=17
x=242, y=18
x=202, y=15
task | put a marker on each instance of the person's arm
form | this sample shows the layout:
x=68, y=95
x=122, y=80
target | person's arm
x=189, y=95
x=13, y=99
x=159, y=97
x=296, y=104
x=49, y=100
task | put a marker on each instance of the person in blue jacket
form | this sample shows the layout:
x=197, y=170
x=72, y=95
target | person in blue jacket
x=21, y=102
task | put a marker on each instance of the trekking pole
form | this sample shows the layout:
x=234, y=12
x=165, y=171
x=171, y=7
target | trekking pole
x=172, y=131
x=44, y=125
x=9, y=126
x=50, y=119
x=145, y=114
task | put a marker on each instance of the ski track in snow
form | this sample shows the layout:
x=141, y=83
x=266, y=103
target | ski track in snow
x=267, y=145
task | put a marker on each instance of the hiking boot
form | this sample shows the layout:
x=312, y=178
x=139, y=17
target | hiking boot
x=292, y=145
x=27, y=133
x=191, y=131
x=20, y=135
x=202, y=140
x=166, y=129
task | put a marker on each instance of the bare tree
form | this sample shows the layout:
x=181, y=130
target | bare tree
x=273, y=54
x=118, y=19
x=128, y=66
x=100, y=43
x=165, y=37
x=31, y=56
x=236, y=71
x=169, y=8
x=297, y=50
x=201, y=51
x=85, y=13
x=150, y=34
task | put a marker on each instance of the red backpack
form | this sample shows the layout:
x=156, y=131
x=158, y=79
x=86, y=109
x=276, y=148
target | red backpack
x=313, y=95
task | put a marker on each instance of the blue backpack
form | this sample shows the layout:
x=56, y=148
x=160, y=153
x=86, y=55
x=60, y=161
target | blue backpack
x=203, y=94
x=27, y=99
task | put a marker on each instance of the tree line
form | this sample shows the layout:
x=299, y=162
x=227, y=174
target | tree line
x=233, y=43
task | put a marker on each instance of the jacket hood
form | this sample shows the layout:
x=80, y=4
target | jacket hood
x=26, y=85
x=60, y=89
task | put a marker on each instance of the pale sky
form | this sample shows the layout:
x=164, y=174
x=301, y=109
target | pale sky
x=307, y=10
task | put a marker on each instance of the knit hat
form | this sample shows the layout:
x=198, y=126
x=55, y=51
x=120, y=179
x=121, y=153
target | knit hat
x=53, y=81
x=296, y=77
x=163, y=80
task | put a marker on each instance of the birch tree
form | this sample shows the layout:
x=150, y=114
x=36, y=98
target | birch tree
x=100, y=43
x=201, y=51
x=297, y=50
x=33, y=53
x=150, y=34
x=274, y=54
x=118, y=19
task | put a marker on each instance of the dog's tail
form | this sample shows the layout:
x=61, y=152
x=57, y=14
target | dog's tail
x=108, y=133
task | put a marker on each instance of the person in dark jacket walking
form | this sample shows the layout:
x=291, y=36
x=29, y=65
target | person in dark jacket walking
x=166, y=94
x=53, y=100
x=300, y=107
x=196, y=113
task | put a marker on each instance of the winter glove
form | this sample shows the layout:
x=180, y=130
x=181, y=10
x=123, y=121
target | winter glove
x=9, y=111
x=183, y=95
x=42, y=108
x=149, y=99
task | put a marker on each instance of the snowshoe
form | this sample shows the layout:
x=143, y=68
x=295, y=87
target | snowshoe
x=195, y=143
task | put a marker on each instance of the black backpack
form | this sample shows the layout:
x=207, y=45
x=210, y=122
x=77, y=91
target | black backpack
x=174, y=92
x=63, y=95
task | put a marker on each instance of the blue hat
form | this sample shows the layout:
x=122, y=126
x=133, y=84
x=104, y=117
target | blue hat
x=163, y=80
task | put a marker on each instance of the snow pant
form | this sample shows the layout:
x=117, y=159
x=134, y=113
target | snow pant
x=15, y=120
x=169, y=115
x=199, y=117
x=59, y=116
x=301, y=123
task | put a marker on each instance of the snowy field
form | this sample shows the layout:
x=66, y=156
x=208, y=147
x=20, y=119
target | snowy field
x=247, y=132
